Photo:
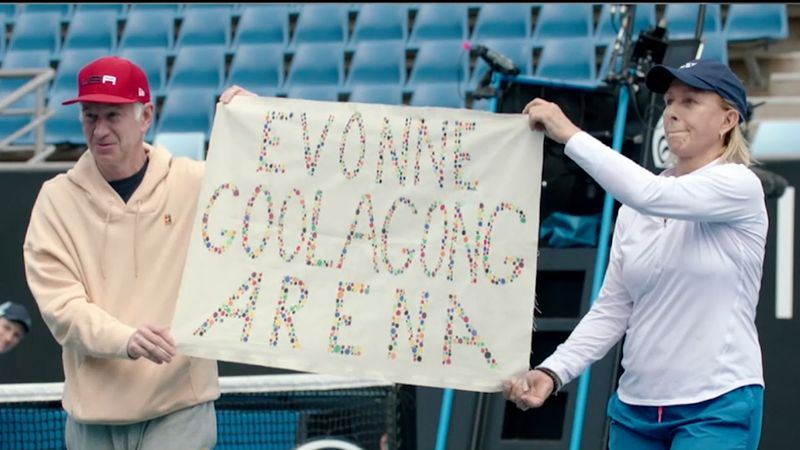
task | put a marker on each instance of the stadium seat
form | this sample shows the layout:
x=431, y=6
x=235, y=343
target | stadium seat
x=191, y=144
x=64, y=126
x=258, y=67
x=172, y=8
x=9, y=10
x=10, y=124
x=380, y=22
x=568, y=60
x=92, y=29
x=682, y=19
x=190, y=6
x=262, y=24
x=503, y=20
x=560, y=20
x=37, y=31
x=440, y=21
x=187, y=109
x=121, y=9
x=205, y=26
x=440, y=61
x=387, y=94
x=149, y=28
x=25, y=59
x=313, y=92
x=64, y=10
x=378, y=62
x=446, y=95
x=72, y=61
x=777, y=139
x=321, y=23
x=757, y=22
x=518, y=50
x=320, y=63
x=17, y=59
x=609, y=24
x=153, y=61
x=198, y=66
x=715, y=46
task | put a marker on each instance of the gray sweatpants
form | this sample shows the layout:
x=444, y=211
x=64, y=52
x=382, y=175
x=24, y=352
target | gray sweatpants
x=193, y=428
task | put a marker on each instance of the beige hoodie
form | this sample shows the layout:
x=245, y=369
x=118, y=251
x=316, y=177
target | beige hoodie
x=99, y=268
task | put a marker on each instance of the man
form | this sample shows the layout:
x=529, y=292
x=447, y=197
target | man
x=104, y=255
x=15, y=324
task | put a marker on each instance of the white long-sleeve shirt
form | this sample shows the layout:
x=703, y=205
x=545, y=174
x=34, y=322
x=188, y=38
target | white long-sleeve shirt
x=682, y=282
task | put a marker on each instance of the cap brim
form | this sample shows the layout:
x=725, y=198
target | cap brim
x=99, y=98
x=660, y=77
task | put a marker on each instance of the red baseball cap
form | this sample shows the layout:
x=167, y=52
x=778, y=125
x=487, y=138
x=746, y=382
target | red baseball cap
x=112, y=79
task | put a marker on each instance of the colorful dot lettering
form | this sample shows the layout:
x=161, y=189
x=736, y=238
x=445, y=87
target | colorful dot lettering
x=289, y=257
x=442, y=244
x=312, y=241
x=270, y=141
x=341, y=319
x=366, y=199
x=386, y=142
x=472, y=338
x=312, y=160
x=227, y=309
x=517, y=264
x=423, y=137
x=252, y=252
x=285, y=316
x=460, y=234
x=362, y=142
x=228, y=235
x=385, y=238
x=459, y=157
x=415, y=340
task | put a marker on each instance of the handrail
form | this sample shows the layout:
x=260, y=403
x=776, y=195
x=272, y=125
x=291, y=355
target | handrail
x=40, y=113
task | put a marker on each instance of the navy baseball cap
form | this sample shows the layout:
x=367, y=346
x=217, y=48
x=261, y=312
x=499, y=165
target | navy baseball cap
x=16, y=313
x=703, y=74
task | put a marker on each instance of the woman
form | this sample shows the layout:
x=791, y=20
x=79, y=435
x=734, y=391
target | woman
x=683, y=278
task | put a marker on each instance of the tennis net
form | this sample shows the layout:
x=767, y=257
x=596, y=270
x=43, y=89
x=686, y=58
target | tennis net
x=265, y=412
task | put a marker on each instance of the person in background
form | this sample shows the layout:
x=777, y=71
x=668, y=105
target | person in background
x=15, y=324
x=683, y=278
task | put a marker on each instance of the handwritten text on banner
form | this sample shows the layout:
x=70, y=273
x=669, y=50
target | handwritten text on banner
x=384, y=242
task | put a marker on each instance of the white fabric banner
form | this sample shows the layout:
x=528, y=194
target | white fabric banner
x=386, y=242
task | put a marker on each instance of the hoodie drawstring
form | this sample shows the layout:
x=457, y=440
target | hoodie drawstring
x=105, y=240
x=135, y=238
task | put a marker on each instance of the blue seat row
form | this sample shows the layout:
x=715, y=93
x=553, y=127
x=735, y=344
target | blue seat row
x=440, y=74
x=96, y=27
x=67, y=10
x=379, y=44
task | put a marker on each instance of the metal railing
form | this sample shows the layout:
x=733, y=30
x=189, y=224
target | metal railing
x=39, y=113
